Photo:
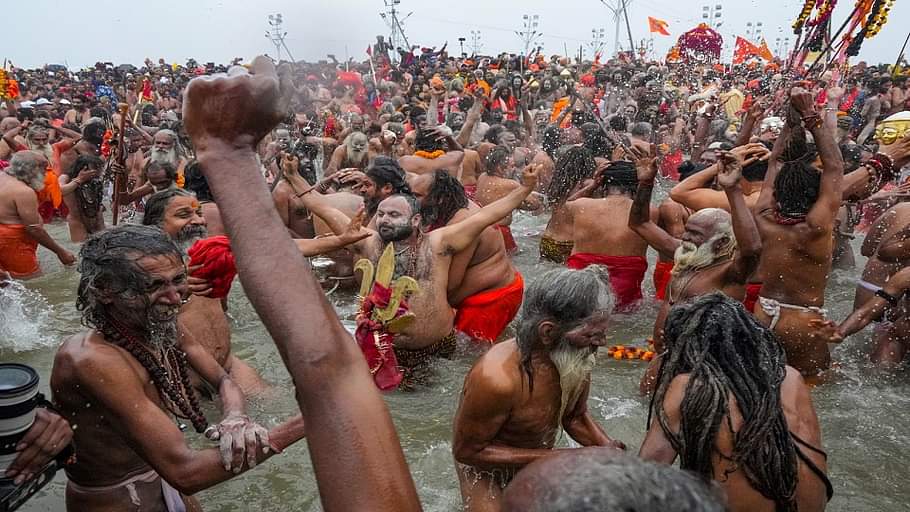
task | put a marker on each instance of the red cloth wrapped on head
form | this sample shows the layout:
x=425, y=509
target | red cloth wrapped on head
x=218, y=265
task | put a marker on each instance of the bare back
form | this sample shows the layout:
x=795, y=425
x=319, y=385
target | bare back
x=601, y=226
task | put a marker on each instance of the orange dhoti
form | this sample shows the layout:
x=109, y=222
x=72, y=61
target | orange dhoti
x=508, y=239
x=662, y=275
x=18, y=251
x=626, y=275
x=485, y=315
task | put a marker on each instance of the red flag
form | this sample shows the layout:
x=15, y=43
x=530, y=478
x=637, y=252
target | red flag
x=370, y=51
x=744, y=50
x=657, y=26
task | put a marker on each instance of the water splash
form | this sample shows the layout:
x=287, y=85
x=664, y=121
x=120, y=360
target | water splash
x=25, y=319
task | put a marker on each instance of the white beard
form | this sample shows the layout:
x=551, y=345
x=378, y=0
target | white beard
x=690, y=257
x=162, y=333
x=356, y=157
x=164, y=156
x=37, y=184
x=574, y=366
x=45, y=150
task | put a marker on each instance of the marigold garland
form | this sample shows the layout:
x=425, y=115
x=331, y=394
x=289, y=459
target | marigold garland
x=878, y=16
x=430, y=155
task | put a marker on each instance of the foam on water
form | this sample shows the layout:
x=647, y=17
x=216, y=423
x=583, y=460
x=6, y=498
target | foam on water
x=25, y=318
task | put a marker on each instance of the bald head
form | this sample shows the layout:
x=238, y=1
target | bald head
x=8, y=123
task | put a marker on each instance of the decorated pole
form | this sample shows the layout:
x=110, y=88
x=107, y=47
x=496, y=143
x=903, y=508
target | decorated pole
x=899, y=56
x=121, y=161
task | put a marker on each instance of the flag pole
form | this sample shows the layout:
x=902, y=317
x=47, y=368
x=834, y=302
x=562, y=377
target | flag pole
x=899, y=56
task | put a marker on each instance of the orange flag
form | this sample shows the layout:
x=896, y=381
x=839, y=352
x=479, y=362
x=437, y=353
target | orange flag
x=658, y=26
x=744, y=50
x=765, y=52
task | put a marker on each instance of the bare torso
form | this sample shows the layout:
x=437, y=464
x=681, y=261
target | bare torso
x=492, y=188
x=601, y=226
x=483, y=266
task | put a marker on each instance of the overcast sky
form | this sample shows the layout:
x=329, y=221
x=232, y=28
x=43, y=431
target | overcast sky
x=37, y=32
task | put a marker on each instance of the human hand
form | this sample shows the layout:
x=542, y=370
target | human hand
x=240, y=439
x=751, y=153
x=826, y=330
x=615, y=443
x=47, y=437
x=730, y=169
x=802, y=101
x=86, y=176
x=197, y=285
x=290, y=165
x=834, y=95
x=529, y=176
x=66, y=257
x=237, y=109
x=645, y=161
x=759, y=105
x=355, y=231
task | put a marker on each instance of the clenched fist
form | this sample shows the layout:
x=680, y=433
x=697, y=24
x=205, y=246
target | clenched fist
x=235, y=110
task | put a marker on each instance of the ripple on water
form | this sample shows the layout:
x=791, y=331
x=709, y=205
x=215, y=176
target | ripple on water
x=25, y=318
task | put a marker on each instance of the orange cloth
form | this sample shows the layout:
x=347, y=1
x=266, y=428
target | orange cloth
x=662, y=278
x=51, y=192
x=483, y=316
x=217, y=260
x=18, y=251
x=558, y=106
x=626, y=275
x=508, y=239
x=753, y=290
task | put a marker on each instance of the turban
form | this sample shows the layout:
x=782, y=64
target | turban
x=217, y=260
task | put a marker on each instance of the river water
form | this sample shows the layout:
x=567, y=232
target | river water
x=862, y=411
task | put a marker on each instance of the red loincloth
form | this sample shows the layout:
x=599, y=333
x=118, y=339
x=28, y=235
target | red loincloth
x=511, y=246
x=753, y=290
x=662, y=278
x=483, y=316
x=626, y=275
x=470, y=191
x=218, y=265
x=18, y=251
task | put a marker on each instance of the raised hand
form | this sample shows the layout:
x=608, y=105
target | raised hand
x=235, y=110
x=645, y=161
x=730, y=169
x=802, y=101
x=529, y=176
x=751, y=153
x=355, y=231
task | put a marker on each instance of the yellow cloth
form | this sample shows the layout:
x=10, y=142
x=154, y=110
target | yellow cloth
x=733, y=103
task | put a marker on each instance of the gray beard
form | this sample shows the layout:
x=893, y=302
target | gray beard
x=45, y=150
x=354, y=156
x=574, y=366
x=159, y=156
x=188, y=236
x=162, y=333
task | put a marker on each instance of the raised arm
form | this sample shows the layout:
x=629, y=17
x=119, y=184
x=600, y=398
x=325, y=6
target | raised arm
x=753, y=117
x=748, y=240
x=460, y=235
x=875, y=307
x=766, y=197
x=695, y=192
x=348, y=425
x=829, y=195
x=471, y=120
x=640, y=213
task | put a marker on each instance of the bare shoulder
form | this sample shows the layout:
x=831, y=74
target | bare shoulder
x=87, y=358
x=497, y=371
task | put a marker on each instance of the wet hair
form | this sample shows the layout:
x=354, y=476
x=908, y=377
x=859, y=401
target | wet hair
x=424, y=140
x=387, y=171
x=725, y=351
x=169, y=170
x=550, y=140
x=413, y=203
x=107, y=265
x=618, y=123
x=24, y=166
x=796, y=188
x=642, y=130
x=755, y=171
x=156, y=205
x=84, y=162
x=621, y=175
x=93, y=131
x=492, y=135
x=563, y=296
x=576, y=165
x=600, y=479
x=498, y=156
x=442, y=202
x=688, y=168
x=196, y=183
x=595, y=140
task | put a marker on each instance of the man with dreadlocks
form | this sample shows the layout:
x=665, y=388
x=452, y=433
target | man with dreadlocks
x=83, y=191
x=795, y=216
x=572, y=170
x=732, y=410
x=484, y=286
x=125, y=381
x=520, y=393
x=435, y=148
x=600, y=223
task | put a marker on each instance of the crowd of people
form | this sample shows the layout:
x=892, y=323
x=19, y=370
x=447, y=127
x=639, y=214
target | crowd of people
x=406, y=175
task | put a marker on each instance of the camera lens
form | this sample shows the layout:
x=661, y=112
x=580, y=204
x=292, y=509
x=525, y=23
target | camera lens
x=18, y=391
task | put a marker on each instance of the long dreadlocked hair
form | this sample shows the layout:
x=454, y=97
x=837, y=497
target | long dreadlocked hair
x=725, y=350
x=442, y=202
x=797, y=185
x=575, y=165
